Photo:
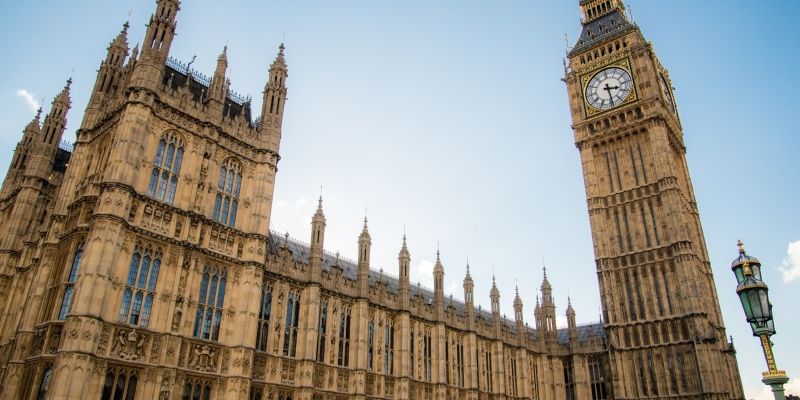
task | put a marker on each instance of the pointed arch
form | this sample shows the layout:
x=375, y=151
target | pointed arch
x=166, y=167
x=229, y=184
x=69, y=286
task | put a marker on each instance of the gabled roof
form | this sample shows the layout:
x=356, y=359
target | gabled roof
x=609, y=26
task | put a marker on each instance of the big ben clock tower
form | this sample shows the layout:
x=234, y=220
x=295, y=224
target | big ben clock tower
x=660, y=305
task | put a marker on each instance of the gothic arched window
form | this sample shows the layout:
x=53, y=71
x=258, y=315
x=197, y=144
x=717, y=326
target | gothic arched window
x=45, y=383
x=322, y=328
x=69, y=289
x=166, y=168
x=264, y=314
x=140, y=287
x=291, y=323
x=196, y=389
x=388, y=348
x=209, y=304
x=343, y=359
x=120, y=384
x=226, y=203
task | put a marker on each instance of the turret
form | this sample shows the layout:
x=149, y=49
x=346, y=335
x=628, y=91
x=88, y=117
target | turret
x=537, y=316
x=110, y=76
x=548, y=306
x=317, y=243
x=364, y=245
x=494, y=294
x=520, y=324
x=56, y=121
x=438, y=287
x=30, y=136
x=404, y=260
x=274, y=101
x=573, y=328
x=157, y=41
x=219, y=85
x=469, y=299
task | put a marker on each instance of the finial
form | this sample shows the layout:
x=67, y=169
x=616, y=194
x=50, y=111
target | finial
x=437, y=252
x=337, y=257
x=741, y=246
x=286, y=240
x=281, y=48
x=569, y=301
x=516, y=287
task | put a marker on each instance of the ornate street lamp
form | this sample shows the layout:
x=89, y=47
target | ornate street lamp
x=753, y=293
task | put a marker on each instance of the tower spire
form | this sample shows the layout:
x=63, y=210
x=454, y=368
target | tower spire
x=56, y=121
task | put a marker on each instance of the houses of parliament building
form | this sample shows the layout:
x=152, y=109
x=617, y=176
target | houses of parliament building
x=140, y=265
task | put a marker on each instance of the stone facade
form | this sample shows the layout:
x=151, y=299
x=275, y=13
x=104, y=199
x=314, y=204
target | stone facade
x=662, y=317
x=140, y=264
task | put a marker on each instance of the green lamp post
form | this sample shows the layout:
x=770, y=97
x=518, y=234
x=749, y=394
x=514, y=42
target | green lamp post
x=753, y=293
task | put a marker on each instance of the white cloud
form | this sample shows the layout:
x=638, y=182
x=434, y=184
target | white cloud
x=422, y=273
x=790, y=267
x=280, y=204
x=28, y=97
x=301, y=203
x=765, y=392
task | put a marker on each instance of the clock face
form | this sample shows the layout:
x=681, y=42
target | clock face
x=667, y=92
x=609, y=88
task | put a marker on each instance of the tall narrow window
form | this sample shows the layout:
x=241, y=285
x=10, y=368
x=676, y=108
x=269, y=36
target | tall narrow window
x=488, y=361
x=569, y=379
x=388, y=348
x=370, y=344
x=513, y=378
x=596, y=378
x=426, y=356
x=264, y=314
x=460, y=362
x=209, y=304
x=69, y=288
x=226, y=203
x=140, y=288
x=447, y=361
x=322, y=327
x=120, y=384
x=343, y=359
x=292, y=320
x=45, y=383
x=411, y=353
x=166, y=168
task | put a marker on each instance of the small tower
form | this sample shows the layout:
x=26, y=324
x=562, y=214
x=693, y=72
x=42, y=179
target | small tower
x=438, y=287
x=157, y=41
x=537, y=315
x=518, y=314
x=274, y=101
x=56, y=121
x=364, y=244
x=110, y=77
x=573, y=328
x=30, y=136
x=317, y=243
x=218, y=89
x=548, y=306
x=494, y=294
x=404, y=260
x=469, y=300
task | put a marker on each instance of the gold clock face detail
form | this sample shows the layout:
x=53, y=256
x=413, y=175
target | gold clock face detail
x=609, y=88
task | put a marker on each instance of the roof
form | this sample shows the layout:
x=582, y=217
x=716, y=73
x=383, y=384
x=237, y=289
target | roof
x=300, y=253
x=611, y=25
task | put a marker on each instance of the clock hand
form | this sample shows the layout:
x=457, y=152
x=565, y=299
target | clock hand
x=609, y=89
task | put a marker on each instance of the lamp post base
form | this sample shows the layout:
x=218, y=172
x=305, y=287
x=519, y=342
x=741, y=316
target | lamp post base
x=776, y=380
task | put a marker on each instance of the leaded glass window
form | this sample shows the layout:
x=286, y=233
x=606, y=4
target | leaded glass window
x=388, y=348
x=343, y=359
x=209, y=304
x=120, y=384
x=166, y=168
x=264, y=314
x=140, y=286
x=292, y=321
x=69, y=287
x=229, y=184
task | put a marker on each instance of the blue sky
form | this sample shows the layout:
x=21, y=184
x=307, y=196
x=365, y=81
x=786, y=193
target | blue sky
x=449, y=118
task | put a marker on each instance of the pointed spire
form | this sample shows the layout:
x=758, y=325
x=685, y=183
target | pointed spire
x=280, y=59
x=35, y=123
x=365, y=229
x=122, y=38
x=63, y=97
x=545, y=282
x=570, y=310
x=319, y=212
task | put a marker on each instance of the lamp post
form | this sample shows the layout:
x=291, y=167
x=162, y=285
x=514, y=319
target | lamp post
x=753, y=293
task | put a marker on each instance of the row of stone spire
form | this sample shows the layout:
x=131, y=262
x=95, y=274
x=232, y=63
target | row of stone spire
x=544, y=312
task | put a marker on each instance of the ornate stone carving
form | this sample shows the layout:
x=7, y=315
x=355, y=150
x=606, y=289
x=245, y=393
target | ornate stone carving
x=129, y=345
x=203, y=358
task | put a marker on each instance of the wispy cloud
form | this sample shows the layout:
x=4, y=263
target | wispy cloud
x=422, y=273
x=765, y=393
x=28, y=98
x=790, y=267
